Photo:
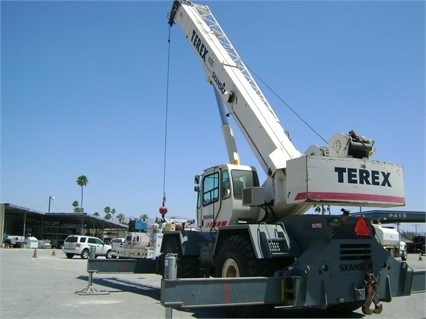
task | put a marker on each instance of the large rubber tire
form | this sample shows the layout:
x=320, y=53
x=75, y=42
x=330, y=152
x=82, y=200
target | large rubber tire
x=236, y=258
x=187, y=266
x=108, y=255
x=84, y=254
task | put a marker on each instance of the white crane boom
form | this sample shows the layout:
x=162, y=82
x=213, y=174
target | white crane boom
x=238, y=90
x=339, y=174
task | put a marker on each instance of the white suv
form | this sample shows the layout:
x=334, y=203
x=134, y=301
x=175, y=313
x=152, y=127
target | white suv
x=79, y=245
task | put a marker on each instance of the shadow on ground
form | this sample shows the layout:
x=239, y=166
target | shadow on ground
x=117, y=285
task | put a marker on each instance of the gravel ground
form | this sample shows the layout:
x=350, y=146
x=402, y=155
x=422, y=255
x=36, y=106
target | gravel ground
x=46, y=286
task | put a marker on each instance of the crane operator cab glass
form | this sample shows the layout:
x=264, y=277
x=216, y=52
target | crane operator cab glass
x=220, y=195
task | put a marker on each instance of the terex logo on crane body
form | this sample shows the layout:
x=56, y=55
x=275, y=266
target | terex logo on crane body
x=199, y=45
x=202, y=51
x=362, y=176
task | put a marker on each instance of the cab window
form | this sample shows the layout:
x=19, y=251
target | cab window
x=243, y=179
x=226, y=185
x=211, y=189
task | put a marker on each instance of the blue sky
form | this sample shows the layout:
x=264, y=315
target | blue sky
x=84, y=93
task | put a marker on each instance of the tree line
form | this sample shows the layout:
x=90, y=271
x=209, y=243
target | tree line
x=109, y=213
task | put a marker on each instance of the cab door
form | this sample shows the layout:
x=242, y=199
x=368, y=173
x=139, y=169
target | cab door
x=214, y=191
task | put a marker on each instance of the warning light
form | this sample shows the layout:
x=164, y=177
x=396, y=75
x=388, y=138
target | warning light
x=361, y=228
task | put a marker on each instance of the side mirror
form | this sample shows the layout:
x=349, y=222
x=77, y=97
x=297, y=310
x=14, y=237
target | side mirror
x=197, y=180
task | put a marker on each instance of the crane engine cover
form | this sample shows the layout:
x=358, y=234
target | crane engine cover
x=347, y=181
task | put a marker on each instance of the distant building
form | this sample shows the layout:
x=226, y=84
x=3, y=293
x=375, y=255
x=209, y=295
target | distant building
x=17, y=220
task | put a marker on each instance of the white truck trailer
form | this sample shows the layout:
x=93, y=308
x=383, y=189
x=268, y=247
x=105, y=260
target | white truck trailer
x=390, y=239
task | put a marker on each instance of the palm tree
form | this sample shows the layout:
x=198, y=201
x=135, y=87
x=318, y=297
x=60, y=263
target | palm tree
x=113, y=213
x=75, y=205
x=143, y=217
x=107, y=211
x=121, y=218
x=82, y=181
x=96, y=214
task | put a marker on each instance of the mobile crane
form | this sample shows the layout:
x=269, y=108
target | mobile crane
x=252, y=230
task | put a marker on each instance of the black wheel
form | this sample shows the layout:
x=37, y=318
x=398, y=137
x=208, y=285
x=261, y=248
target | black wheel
x=108, y=255
x=84, y=254
x=69, y=256
x=236, y=258
x=187, y=266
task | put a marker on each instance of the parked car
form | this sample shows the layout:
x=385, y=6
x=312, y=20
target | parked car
x=80, y=245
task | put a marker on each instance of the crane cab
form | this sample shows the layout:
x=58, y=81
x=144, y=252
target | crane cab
x=220, y=196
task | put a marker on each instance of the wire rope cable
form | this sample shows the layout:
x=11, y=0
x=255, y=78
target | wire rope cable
x=163, y=208
x=287, y=105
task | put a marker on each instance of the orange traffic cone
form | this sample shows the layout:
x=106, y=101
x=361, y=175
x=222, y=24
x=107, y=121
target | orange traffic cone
x=35, y=253
x=53, y=252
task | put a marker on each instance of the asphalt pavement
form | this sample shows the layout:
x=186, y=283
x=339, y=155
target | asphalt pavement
x=44, y=285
